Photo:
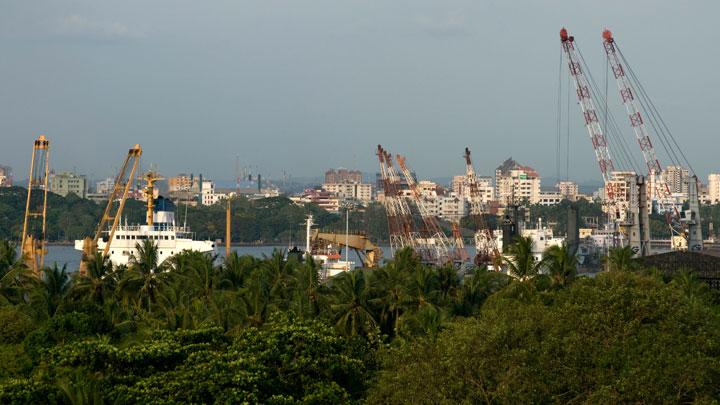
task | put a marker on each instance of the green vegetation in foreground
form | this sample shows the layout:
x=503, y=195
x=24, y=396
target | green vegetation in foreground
x=266, y=331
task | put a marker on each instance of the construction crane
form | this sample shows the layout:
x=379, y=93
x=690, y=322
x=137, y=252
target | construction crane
x=369, y=253
x=592, y=122
x=438, y=248
x=398, y=212
x=459, y=242
x=687, y=226
x=116, y=203
x=485, y=244
x=33, y=241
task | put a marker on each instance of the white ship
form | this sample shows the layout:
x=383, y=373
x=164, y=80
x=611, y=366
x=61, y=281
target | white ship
x=328, y=257
x=542, y=238
x=169, y=237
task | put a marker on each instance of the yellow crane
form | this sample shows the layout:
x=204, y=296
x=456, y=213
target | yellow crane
x=116, y=203
x=369, y=253
x=150, y=178
x=33, y=242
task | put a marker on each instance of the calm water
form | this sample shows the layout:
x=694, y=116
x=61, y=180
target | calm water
x=68, y=255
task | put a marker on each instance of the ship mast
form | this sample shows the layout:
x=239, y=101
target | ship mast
x=150, y=178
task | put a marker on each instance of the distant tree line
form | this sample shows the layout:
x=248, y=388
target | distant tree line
x=269, y=220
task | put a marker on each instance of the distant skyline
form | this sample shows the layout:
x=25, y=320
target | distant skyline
x=305, y=86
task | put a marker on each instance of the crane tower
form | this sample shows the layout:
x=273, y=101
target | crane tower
x=33, y=242
x=592, y=122
x=116, y=203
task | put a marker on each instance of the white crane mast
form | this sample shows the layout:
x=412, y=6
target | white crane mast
x=592, y=122
x=627, y=95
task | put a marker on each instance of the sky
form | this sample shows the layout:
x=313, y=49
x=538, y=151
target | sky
x=306, y=85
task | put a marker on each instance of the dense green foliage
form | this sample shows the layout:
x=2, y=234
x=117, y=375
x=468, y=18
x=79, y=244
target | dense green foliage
x=618, y=338
x=195, y=330
x=268, y=220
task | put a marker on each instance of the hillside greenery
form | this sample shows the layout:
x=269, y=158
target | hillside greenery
x=247, y=330
x=268, y=220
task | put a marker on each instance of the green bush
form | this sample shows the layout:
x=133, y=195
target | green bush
x=618, y=338
x=16, y=324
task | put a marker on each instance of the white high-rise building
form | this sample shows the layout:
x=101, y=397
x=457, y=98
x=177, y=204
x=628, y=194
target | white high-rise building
x=350, y=190
x=676, y=178
x=714, y=188
x=568, y=190
x=515, y=183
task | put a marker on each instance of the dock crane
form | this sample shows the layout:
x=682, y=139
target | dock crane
x=116, y=203
x=592, y=122
x=398, y=212
x=485, y=244
x=687, y=225
x=439, y=249
x=33, y=241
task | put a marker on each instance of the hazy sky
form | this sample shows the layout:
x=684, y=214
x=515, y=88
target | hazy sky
x=308, y=85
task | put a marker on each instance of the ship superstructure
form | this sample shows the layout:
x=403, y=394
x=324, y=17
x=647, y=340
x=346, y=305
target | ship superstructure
x=160, y=228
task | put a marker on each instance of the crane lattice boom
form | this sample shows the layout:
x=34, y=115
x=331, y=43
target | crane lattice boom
x=592, y=122
x=485, y=244
x=627, y=95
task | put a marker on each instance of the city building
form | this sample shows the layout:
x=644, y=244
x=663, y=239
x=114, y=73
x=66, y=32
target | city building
x=361, y=192
x=568, y=190
x=6, y=179
x=208, y=195
x=452, y=207
x=713, y=188
x=184, y=189
x=65, y=183
x=486, y=190
x=104, y=187
x=342, y=175
x=429, y=188
x=323, y=198
x=676, y=179
x=515, y=183
x=623, y=184
x=550, y=198
x=183, y=183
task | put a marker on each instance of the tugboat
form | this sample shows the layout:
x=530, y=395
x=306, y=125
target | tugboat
x=160, y=227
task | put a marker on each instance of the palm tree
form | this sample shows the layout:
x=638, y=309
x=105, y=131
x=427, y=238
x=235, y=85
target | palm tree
x=476, y=288
x=307, y=297
x=448, y=281
x=256, y=298
x=8, y=257
x=561, y=264
x=98, y=282
x=280, y=276
x=144, y=277
x=195, y=273
x=522, y=265
x=57, y=283
x=422, y=290
x=17, y=282
x=620, y=259
x=236, y=270
x=388, y=284
x=351, y=304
